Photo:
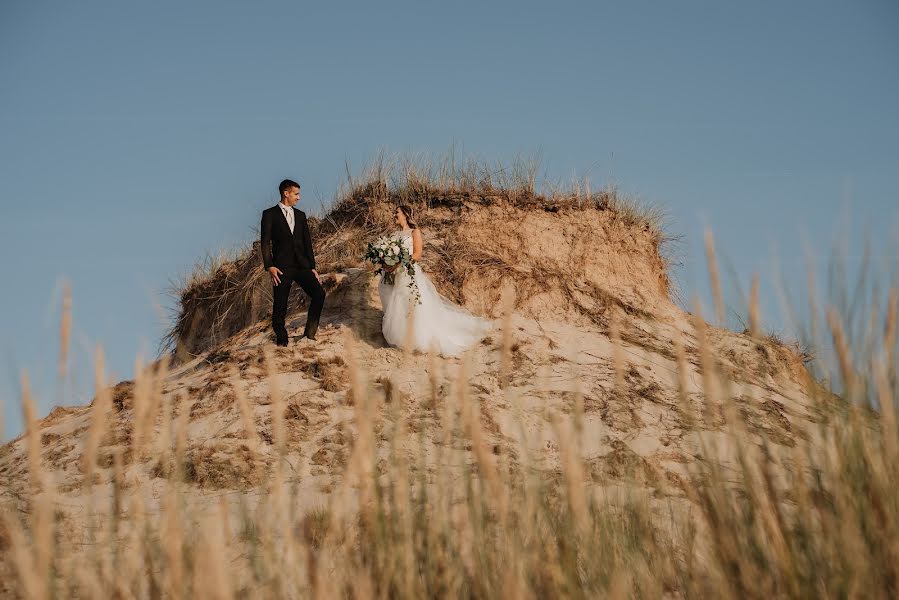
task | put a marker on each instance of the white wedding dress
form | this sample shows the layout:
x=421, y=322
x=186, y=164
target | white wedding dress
x=437, y=324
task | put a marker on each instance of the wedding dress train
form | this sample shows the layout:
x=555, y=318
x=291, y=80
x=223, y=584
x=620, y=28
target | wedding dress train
x=437, y=324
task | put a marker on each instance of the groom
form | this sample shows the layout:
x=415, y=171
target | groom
x=287, y=256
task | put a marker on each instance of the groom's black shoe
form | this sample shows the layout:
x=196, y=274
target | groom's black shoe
x=281, y=343
x=310, y=330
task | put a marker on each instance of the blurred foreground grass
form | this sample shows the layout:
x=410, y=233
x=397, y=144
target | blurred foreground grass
x=820, y=519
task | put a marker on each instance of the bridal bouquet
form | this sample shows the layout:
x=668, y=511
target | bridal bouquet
x=390, y=255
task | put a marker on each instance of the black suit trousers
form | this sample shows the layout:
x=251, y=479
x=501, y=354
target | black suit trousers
x=305, y=278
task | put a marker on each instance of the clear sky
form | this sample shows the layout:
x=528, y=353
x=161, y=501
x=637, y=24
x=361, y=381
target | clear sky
x=136, y=137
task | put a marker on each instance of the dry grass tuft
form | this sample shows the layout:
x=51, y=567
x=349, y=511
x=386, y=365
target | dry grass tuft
x=315, y=527
x=4, y=536
x=217, y=469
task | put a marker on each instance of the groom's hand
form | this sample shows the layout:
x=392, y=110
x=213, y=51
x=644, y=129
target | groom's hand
x=314, y=272
x=275, y=272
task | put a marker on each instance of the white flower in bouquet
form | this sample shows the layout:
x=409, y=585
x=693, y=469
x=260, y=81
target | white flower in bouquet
x=391, y=252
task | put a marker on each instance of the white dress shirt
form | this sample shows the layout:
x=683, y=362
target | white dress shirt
x=288, y=214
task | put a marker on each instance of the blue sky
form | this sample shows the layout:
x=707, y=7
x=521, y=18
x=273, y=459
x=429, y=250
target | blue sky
x=136, y=137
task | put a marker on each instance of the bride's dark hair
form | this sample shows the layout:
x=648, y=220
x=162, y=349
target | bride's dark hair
x=409, y=213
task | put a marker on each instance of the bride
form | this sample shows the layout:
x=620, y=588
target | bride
x=436, y=323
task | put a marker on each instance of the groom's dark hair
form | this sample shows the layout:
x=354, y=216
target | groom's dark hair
x=286, y=185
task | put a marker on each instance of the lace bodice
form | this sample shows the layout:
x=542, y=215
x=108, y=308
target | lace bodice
x=405, y=237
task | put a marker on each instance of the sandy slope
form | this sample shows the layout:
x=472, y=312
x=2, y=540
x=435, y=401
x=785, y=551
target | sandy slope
x=636, y=435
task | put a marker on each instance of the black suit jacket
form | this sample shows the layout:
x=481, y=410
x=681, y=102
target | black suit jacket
x=283, y=249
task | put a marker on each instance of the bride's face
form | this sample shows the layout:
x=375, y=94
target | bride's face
x=400, y=218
